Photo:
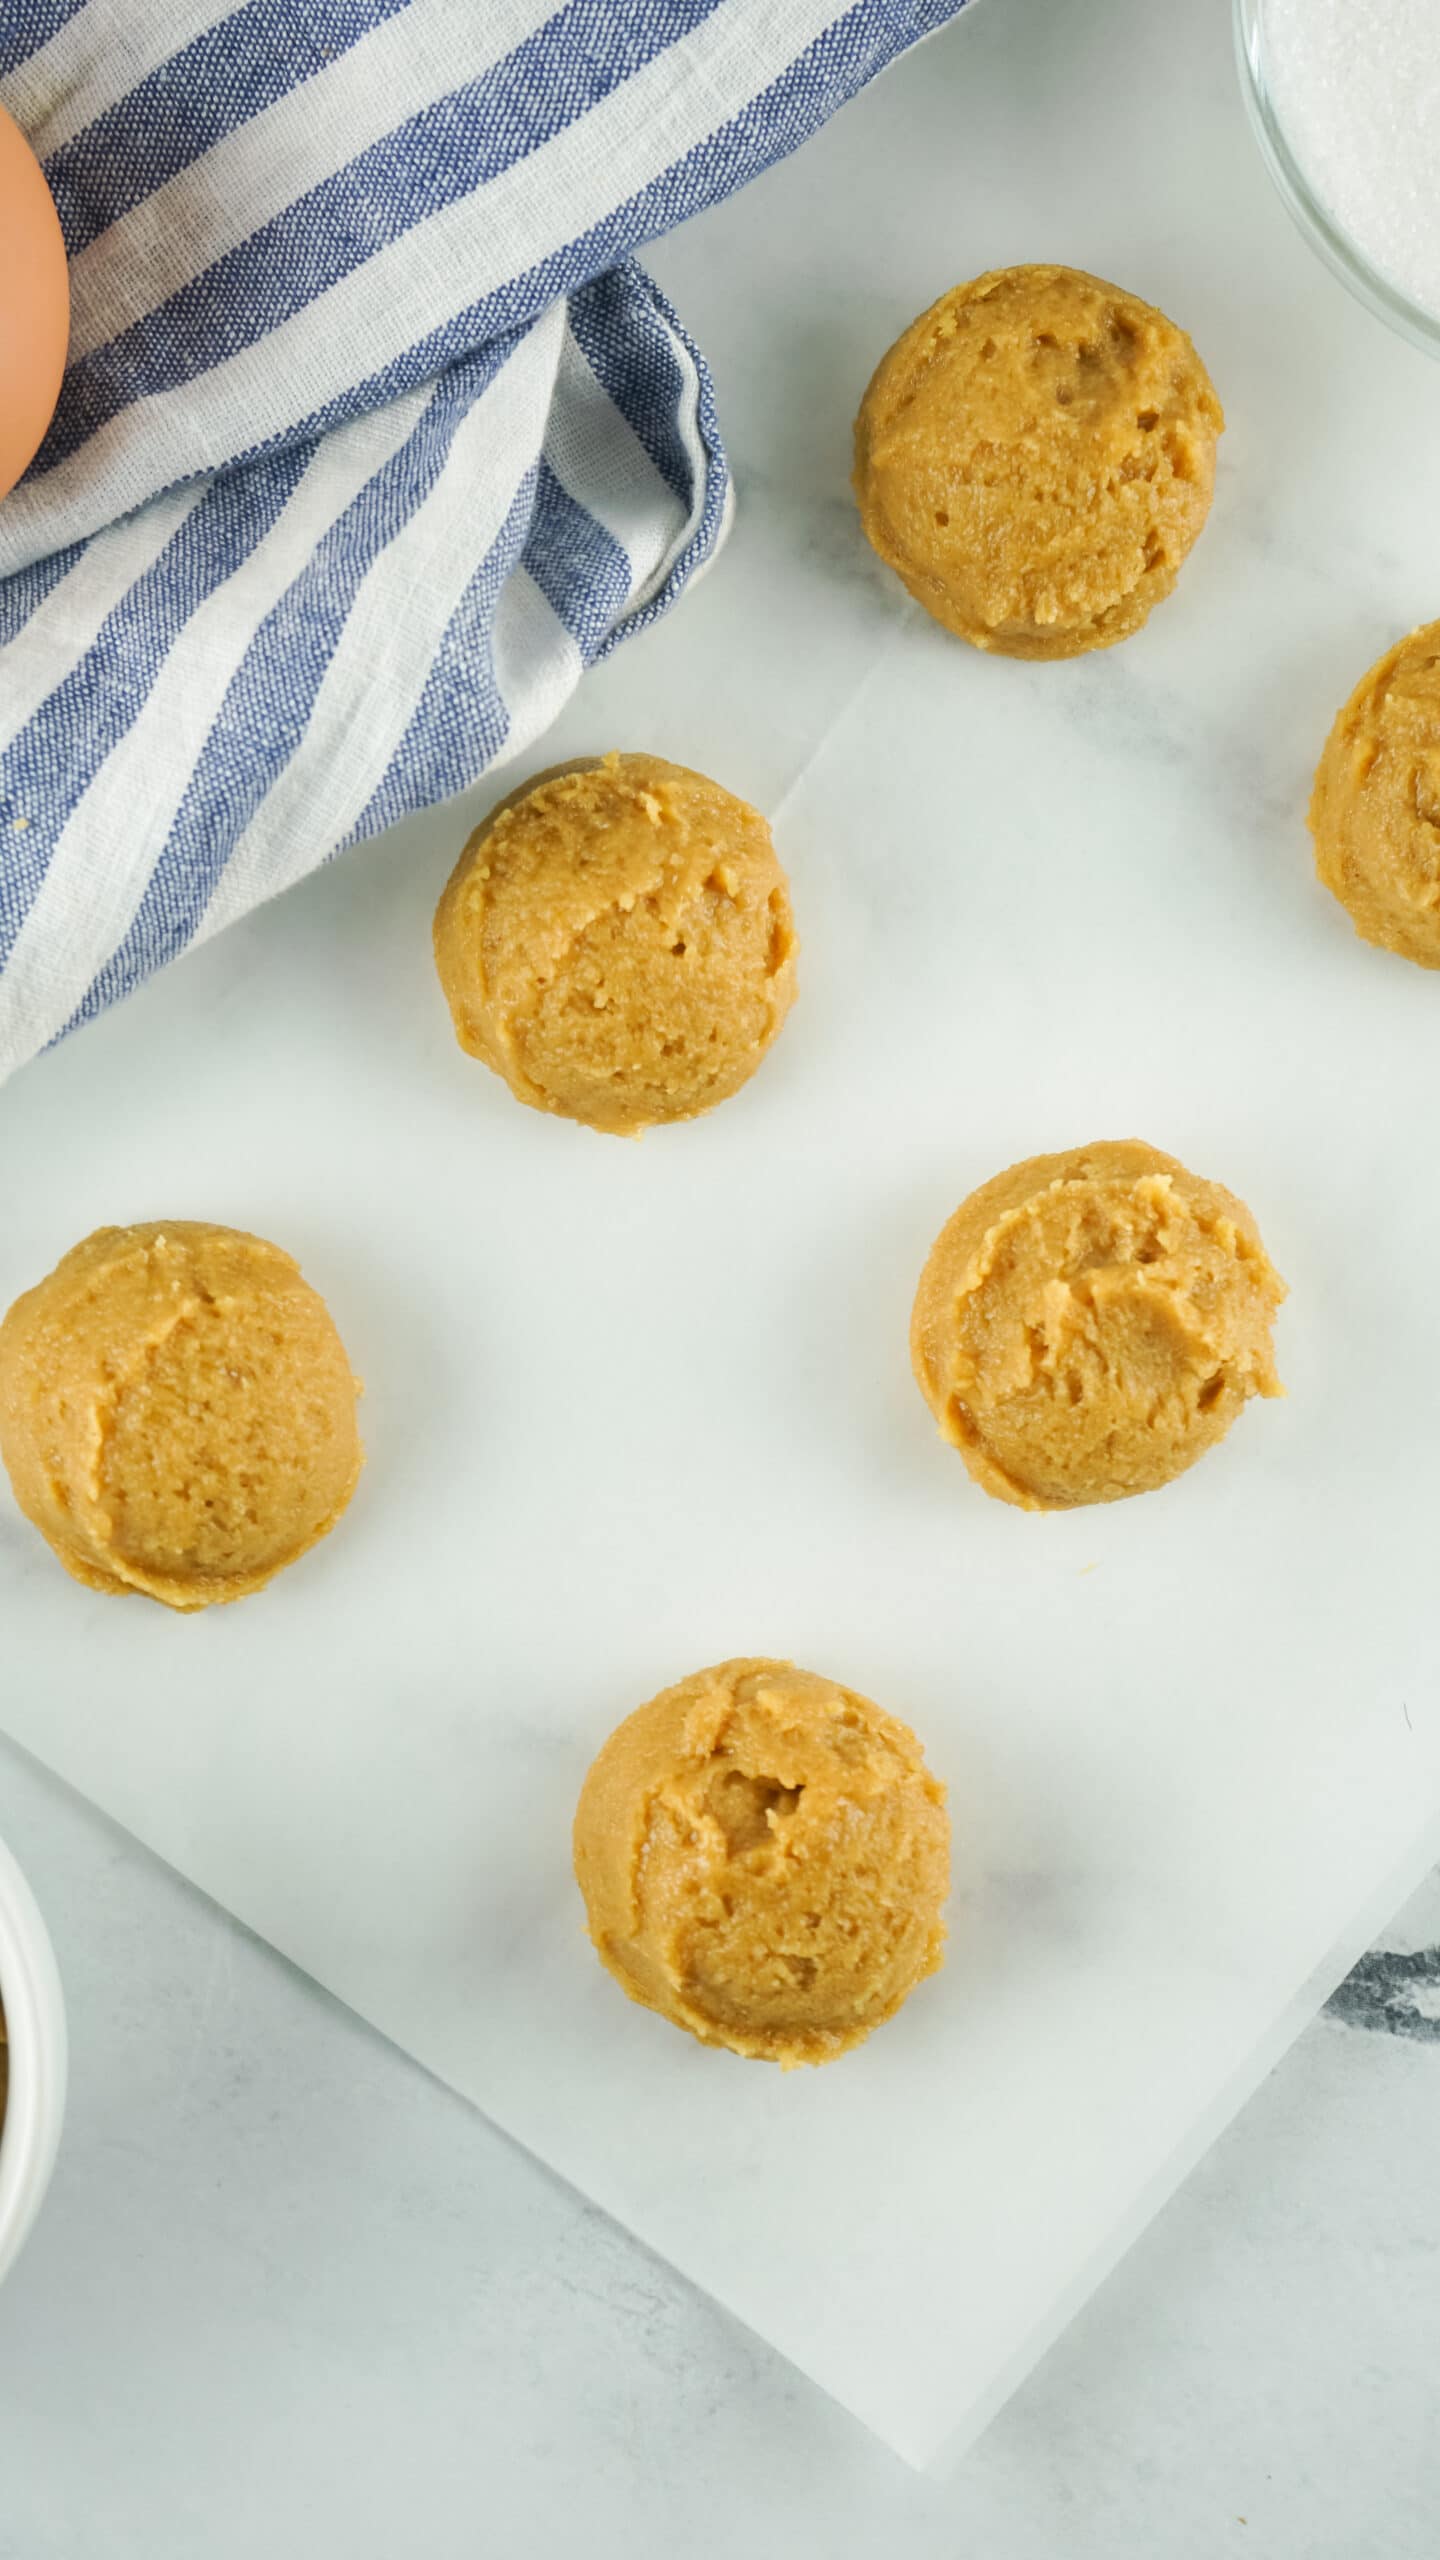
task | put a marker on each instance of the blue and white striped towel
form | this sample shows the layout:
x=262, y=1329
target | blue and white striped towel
x=373, y=435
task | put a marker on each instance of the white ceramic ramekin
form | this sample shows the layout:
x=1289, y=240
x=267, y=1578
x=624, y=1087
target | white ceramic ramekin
x=35, y=2026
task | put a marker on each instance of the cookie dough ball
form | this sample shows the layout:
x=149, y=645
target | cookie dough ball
x=1375, y=809
x=764, y=1858
x=616, y=942
x=1088, y=1324
x=177, y=1412
x=1035, y=457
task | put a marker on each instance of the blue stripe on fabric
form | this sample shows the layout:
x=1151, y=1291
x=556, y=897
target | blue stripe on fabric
x=272, y=694
x=436, y=158
x=776, y=121
x=26, y=589
x=714, y=466
x=631, y=352
x=51, y=764
x=443, y=748
x=583, y=573
x=27, y=24
x=462, y=719
x=228, y=74
x=703, y=541
x=843, y=58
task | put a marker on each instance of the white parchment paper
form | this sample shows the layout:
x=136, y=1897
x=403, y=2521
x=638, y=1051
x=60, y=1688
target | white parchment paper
x=634, y=1408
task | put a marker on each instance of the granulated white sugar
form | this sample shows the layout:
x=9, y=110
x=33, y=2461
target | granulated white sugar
x=1356, y=87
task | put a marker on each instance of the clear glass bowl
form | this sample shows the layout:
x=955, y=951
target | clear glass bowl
x=1324, y=233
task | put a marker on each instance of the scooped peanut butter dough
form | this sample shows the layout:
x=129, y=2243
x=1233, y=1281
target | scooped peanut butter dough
x=1035, y=457
x=765, y=1858
x=1375, y=809
x=616, y=942
x=1088, y=1324
x=177, y=1413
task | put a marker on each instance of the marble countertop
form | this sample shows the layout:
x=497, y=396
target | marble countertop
x=289, y=2294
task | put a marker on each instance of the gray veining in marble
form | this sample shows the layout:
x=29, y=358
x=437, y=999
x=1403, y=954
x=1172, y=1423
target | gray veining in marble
x=288, y=2296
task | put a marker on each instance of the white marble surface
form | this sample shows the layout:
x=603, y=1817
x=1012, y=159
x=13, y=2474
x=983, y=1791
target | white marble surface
x=290, y=2297
x=302, y=2242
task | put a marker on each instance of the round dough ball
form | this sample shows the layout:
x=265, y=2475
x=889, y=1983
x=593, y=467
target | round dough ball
x=177, y=1413
x=616, y=942
x=1375, y=809
x=1035, y=457
x=764, y=1858
x=1088, y=1324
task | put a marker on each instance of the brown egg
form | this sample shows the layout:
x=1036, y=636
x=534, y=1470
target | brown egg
x=34, y=304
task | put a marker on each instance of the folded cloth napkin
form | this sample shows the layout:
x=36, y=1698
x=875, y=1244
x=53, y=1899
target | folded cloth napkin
x=373, y=435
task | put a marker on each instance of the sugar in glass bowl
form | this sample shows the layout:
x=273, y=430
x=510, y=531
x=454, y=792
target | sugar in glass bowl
x=1344, y=96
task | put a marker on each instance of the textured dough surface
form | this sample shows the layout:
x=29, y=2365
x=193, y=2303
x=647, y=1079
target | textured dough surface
x=616, y=942
x=765, y=1859
x=1375, y=809
x=177, y=1412
x=1089, y=1323
x=1035, y=457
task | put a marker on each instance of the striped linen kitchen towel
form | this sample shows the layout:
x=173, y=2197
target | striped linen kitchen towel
x=374, y=434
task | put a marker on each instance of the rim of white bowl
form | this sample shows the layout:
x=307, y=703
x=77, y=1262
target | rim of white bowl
x=35, y=2030
x=1326, y=236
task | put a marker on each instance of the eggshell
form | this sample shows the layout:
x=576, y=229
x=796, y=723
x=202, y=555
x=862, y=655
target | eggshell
x=34, y=304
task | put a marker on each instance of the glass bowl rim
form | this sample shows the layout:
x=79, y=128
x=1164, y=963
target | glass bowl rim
x=1327, y=237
